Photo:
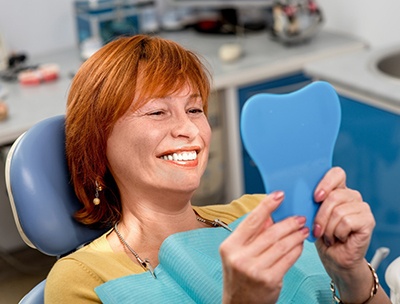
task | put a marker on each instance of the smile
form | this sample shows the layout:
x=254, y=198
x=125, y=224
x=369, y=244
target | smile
x=183, y=156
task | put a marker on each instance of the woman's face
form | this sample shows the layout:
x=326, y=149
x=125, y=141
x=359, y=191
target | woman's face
x=163, y=146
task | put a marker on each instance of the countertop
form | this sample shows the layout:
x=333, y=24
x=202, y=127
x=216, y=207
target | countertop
x=357, y=74
x=263, y=59
x=31, y=104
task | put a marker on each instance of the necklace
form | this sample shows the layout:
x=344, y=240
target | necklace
x=145, y=263
x=214, y=223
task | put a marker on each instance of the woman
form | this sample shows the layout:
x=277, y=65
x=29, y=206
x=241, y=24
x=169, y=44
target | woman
x=137, y=142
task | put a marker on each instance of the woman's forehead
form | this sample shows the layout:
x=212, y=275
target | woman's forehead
x=177, y=90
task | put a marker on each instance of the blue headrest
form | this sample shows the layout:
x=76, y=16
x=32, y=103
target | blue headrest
x=42, y=198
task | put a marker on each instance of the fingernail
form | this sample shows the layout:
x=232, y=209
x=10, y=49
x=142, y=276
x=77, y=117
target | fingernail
x=301, y=220
x=327, y=242
x=319, y=195
x=317, y=230
x=278, y=195
x=305, y=230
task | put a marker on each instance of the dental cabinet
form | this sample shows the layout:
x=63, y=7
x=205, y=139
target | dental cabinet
x=264, y=65
x=368, y=148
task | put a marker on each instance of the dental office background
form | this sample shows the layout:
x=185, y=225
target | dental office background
x=45, y=26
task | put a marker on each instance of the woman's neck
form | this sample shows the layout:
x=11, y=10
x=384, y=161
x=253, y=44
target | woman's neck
x=144, y=226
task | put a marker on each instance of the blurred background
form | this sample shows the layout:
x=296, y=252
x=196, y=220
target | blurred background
x=44, y=25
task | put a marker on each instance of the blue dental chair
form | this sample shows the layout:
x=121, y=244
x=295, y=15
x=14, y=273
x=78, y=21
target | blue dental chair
x=41, y=197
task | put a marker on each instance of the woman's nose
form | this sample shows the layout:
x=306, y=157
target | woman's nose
x=184, y=127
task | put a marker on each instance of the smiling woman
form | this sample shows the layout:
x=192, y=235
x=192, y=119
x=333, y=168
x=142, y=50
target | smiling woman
x=139, y=64
x=174, y=127
x=137, y=143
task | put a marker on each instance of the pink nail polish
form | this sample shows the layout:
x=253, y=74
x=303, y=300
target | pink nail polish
x=317, y=230
x=319, y=195
x=301, y=220
x=305, y=230
x=277, y=195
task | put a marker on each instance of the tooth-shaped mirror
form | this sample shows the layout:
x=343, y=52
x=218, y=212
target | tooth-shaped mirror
x=291, y=137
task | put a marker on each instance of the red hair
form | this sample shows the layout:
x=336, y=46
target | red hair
x=102, y=91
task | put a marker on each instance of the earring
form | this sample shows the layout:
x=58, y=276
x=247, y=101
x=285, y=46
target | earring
x=96, y=199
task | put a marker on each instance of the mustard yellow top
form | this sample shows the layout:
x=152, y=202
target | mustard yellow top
x=74, y=277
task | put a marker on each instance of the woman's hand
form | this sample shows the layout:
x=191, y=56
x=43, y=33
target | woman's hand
x=343, y=226
x=257, y=255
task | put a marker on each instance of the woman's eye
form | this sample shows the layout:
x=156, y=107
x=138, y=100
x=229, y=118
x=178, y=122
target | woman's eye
x=196, y=110
x=156, y=113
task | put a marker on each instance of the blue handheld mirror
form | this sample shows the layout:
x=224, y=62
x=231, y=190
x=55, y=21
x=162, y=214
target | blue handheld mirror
x=291, y=137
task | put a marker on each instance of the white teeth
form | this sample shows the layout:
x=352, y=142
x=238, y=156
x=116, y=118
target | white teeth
x=184, y=156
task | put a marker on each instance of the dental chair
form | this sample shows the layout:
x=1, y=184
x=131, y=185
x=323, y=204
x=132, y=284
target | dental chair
x=41, y=197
